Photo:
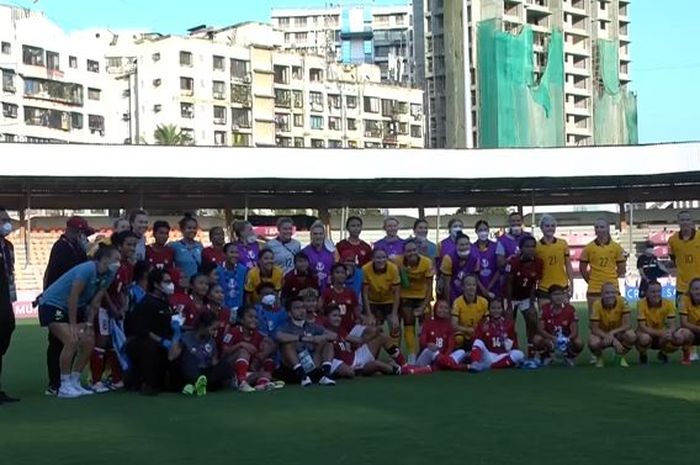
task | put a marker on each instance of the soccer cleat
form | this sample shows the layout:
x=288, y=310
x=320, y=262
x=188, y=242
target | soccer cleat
x=51, y=391
x=663, y=357
x=277, y=384
x=623, y=362
x=694, y=354
x=245, y=387
x=200, y=386
x=68, y=391
x=473, y=368
x=116, y=386
x=100, y=387
x=643, y=358
x=326, y=381
x=306, y=382
x=4, y=398
x=599, y=362
x=81, y=390
x=188, y=390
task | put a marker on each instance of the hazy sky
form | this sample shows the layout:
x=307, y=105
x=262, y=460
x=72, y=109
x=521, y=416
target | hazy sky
x=665, y=46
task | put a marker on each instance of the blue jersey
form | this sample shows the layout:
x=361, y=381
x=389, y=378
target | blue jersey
x=269, y=321
x=354, y=282
x=57, y=294
x=188, y=257
x=233, y=282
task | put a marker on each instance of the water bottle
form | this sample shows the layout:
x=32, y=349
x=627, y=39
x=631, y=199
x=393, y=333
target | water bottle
x=306, y=361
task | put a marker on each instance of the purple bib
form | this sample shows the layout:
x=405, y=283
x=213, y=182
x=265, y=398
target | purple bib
x=460, y=269
x=487, y=264
x=320, y=262
x=248, y=254
x=447, y=247
x=510, y=244
x=393, y=249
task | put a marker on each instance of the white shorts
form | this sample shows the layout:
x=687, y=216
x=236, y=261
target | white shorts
x=363, y=356
x=489, y=358
x=427, y=357
x=357, y=331
x=522, y=305
x=103, y=322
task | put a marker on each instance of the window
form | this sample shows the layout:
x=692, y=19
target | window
x=334, y=123
x=335, y=144
x=403, y=129
x=298, y=121
x=416, y=109
x=76, y=120
x=114, y=62
x=297, y=73
x=281, y=74
x=93, y=66
x=32, y=55
x=157, y=108
x=188, y=134
x=373, y=128
x=8, y=81
x=371, y=105
x=185, y=58
x=241, y=140
x=52, y=61
x=334, y=101
x=283, y=22
x=282, y=122
x=316, y=75
x=240, y=94
x=416, y=130
x=219, y=138
x=283, y=141
x=300, y=22
x=73, y=62
x=155, y=57
x=298, y=98
x=316, y=99
x=219, y=115
x=283, y=98
x=96, y=124
x=218, y=90
x=316, y=122
x=9, y=110
x=352, y=144
x=218, y=63
x=351, y=101
x=240, y=118
x=186, y=86
x=299, y=142
x=94, y=94
x=301, y=37
x=318, y=143
x=352, y=124
x=388, y=107
x=187, y=110
x=239, y=69
x=6, y=48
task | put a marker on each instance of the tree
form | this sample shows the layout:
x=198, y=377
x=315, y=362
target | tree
x=169, y=134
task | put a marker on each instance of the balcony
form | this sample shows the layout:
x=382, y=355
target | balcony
x=61, y=92
x=241, y=95
x=283, y=98
x=375, y=133
x=43, y=117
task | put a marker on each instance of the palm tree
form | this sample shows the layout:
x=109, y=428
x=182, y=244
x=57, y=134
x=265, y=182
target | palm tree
x=169, y=134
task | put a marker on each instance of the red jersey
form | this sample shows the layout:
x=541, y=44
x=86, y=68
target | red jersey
x=295, y=283
x=342, y=349
x=119, y=289
x=224, y=318
x=556, y=322
x=238, y=334
x=524, y=275
x=439, y=332
x=346, y=300
x=178, y=302
x=363, y=251
x=191, y=311
x=493, y=334
x=212, y=255
x=160, y=257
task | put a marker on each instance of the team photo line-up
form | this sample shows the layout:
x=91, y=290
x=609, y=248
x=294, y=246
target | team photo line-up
x=252, y=314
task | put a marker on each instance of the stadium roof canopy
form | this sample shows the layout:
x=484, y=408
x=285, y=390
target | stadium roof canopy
x=116, y=176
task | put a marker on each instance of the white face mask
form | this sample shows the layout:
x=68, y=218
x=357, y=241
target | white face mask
x=455, y=230
x=6, y=229
x=649, y=251
x=463, y=254
x=269, y=300
x=113, y=267
x=251, y=239
x=483, y=235
x=168, y=289
x=516, y=230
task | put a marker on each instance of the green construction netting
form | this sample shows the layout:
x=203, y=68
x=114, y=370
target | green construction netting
x=514, y=109
x=615, y=110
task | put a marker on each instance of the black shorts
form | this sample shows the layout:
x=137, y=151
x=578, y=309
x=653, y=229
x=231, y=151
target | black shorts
x=381, y=311
x=49, y=314
x=544, y=293
x=656, y=343
x=412, y=304
x=696, y=339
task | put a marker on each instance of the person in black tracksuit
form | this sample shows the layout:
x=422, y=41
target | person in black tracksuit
x=149, y=335
x=7, y=294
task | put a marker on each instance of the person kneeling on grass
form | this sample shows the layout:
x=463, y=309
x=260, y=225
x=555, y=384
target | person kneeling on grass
x=250, y=353
x=305, y=346
x=495, y=341
x=437, y=341
x=199, y=360
x=357, y=352
x=690, y=319
x=656, y=320
x=558, y=328
x=611, y=326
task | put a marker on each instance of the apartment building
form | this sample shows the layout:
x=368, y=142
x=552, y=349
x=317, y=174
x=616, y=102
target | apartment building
x=381, y=35
x=53, y=86
x=236, y=86
x=448, y=67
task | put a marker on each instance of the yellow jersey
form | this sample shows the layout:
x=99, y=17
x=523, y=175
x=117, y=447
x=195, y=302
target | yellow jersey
x=255, y=279
x=603, y=260
x=470, y=314
x=609, y=318
x=655, y=317
x=417, y=277
x=380, y=286
x=554, y=257
x=686, y=253
x=690, y=310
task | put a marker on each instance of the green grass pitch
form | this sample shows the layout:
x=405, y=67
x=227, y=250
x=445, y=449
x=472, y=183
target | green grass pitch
x=641, y=415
